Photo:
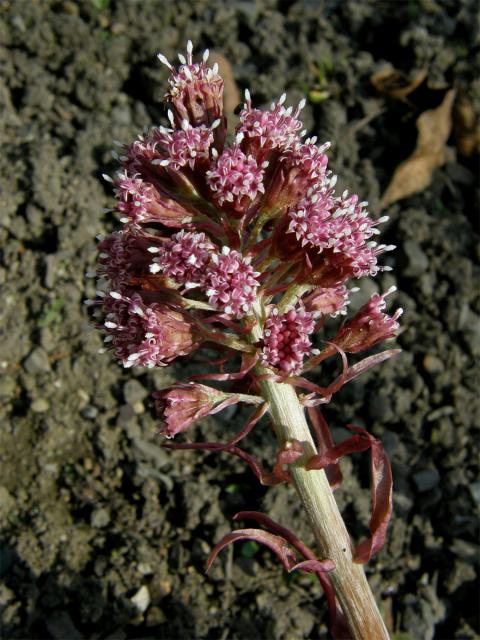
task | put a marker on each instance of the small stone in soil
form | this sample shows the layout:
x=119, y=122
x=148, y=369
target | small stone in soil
x=37, y=361
x=7, y=388
x=100, y=518
x=426, y=479
x=141, y=599
x=134, y=392
x=417, y=261
x=40, y=405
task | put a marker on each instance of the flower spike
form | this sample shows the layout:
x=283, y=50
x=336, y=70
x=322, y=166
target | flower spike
x=239, y=252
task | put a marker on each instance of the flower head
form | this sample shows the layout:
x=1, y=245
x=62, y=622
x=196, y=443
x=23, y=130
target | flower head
x=369, y=326
x=218, y=234
x=123, y=257
x=140, y=202
x=183, y=257
x=322, y=222
x=286, y=339
x=183, y=404
x=231, y=283
x=235, y=179
x=328, y=301
x=146, y=335
x=266, y=130
x=196, y=91
x=183, y=147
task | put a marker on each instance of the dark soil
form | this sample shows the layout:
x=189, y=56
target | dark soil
x=104, y=533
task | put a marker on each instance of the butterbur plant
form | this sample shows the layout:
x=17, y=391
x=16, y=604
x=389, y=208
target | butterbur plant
x=245, y=247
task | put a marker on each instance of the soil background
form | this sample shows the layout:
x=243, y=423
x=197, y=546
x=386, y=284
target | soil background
x=104, y=533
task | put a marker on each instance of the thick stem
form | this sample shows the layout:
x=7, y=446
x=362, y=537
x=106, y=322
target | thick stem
x=348, y=578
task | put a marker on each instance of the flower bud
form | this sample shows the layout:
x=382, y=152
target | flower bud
x=196, y=94
x=141, y=203
x=147, y=335
x=183, y=404
x=124, y=257
x=328, y=301
x=369, y=326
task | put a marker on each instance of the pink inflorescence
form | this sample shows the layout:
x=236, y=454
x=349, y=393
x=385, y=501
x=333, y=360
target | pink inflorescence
x=145, y=335
x=196, y=90
x=231, y=283
x=183, y=147
x=123, y=256
x=277, y=128
x=134, y=198
x=329, y=301
x=236, y=179
x=322, y=221
x=216, y=233
x=183, y=257
x=369, y=326
x=286, y=339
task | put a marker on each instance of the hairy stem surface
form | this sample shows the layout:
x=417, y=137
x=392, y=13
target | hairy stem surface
x=348, y=578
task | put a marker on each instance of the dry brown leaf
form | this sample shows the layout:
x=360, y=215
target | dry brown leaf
x=466, y=127
x=397, y=84
x=231, y=95
x=415, y=173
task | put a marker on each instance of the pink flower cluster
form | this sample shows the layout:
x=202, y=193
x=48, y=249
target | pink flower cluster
x=323, y=221
x=236, y=179
x=148, y=336
x=217, y=237
x=286, y=339
x=227, y=278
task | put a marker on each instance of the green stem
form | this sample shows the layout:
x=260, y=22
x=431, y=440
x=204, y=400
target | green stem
x=348, y=578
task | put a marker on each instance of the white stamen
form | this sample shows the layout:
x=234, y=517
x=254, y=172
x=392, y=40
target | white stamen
x=164, y=61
